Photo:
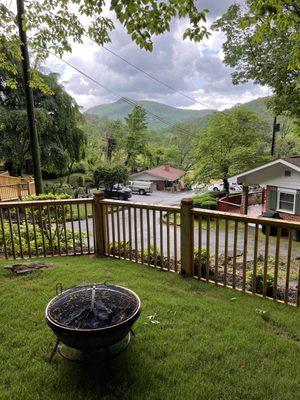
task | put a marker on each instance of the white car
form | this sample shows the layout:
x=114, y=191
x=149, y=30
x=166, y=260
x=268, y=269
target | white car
x=198, y=186
x=141, y=187
x=233, y=187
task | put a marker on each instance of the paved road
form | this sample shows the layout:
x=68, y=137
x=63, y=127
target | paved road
x=166, y=198
x=163, y=198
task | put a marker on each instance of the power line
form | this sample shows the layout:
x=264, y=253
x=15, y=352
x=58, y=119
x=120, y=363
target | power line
x=143, y=71
x=153, y=77
x=130, y=102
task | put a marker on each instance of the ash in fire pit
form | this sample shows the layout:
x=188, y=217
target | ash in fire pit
x=92, y=317
x=93, y=307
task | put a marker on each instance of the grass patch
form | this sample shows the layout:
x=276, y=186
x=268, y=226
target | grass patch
x=210, y=342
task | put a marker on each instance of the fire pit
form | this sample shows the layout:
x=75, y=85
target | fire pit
x=92, y=317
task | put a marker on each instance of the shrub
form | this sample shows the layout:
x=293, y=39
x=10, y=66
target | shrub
x=34, y=238
x=153, y=257
x=56, y=188
x=203, y=264
x=259, y=282
x=80, y=167
x=209, y=204
x=121, y=249
x=206, y=200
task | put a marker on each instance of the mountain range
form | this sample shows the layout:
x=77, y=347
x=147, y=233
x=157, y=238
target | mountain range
x=168, y=115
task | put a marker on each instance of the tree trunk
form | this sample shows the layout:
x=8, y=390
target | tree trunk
x=226, y=185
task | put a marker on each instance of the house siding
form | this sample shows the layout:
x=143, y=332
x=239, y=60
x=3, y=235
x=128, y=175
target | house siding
x=269, y=193
x=274, y=176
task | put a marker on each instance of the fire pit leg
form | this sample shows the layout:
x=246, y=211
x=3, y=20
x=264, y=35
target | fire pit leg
x=54, y=350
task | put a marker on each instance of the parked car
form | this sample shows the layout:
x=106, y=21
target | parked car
x=141, y=187
x=216, y=187
x=233, y=187
x=119, y=192
x=198, y=186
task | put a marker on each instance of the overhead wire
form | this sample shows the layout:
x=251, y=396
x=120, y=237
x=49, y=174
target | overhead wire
x=150, y=76
x=132, y=103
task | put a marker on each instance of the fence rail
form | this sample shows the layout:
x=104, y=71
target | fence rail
x=46, y=228
x=16, y=191
x=257, y=255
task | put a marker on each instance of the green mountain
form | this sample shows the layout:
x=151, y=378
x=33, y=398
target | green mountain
x=172, y=115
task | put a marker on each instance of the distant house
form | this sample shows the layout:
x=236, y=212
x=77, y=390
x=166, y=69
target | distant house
x=280, y=180
x=164, y=177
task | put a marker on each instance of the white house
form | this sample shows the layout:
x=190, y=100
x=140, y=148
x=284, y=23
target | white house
x=280, y=180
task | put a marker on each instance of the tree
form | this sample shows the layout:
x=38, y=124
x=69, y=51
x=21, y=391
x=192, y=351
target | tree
x=135, y=143
x=230, y=144
x=57, y=118
x=14, y=137
x=54, y=25
x=108, y=175
x=262, y=44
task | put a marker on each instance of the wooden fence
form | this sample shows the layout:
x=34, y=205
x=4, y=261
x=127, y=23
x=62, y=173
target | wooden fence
x=248, y=254
x=15, y=188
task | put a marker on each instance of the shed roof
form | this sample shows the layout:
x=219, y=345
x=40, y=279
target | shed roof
x=165, y=172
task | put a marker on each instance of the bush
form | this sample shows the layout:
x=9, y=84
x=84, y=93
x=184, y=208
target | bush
x=259, y=282
x=80, y=167
x=108, y=175
x=121, y=249
x=153, y=257
x=34, y=238
x=79, y=192
x=209, y=204
x=203, y=264
x=206, y=200
x=55, y=188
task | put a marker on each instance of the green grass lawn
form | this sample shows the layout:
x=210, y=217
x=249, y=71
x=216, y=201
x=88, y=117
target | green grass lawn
x=210, y=342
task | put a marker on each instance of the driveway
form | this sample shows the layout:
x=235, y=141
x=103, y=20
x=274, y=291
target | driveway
x=163, y=198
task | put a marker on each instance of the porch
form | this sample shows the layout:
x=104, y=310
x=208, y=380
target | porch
x=214, y=247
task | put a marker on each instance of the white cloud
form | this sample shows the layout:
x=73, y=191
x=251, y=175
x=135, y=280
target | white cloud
x=196, y=70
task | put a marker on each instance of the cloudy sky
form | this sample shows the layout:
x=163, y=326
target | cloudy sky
x=196, y=70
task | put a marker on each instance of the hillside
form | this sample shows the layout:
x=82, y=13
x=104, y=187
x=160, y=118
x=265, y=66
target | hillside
x=120, y=109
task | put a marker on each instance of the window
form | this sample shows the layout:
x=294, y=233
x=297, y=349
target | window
x=287, y=173
x=286, y=202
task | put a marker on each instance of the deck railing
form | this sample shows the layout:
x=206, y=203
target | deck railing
x=46, y=228
x=248, y=254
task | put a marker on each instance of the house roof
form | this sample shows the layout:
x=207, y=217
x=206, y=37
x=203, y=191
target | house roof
x=291, y=162
x=165, y=172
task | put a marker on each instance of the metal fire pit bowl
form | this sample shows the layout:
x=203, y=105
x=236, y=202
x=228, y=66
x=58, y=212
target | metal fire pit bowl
x=104, y=333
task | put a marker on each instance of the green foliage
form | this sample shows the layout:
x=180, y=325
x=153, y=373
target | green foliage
x=108, y=175
x=207, y=200
x=259, y=280
x=49, y=196
x=135, y=142
x=118, y=111
x=34, y=240
x=54, y=26
x=202, y=262
x=263, y=45
x=57, y=116
x=232, y=142
x=57, y=188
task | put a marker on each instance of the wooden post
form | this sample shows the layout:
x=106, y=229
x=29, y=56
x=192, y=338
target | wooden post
x=100, y=224
x=245, y=199
x=187, y=237
x=28, y=188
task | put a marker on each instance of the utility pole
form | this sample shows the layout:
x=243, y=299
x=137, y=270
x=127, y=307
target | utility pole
x=34, y=140
x=276, y=128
